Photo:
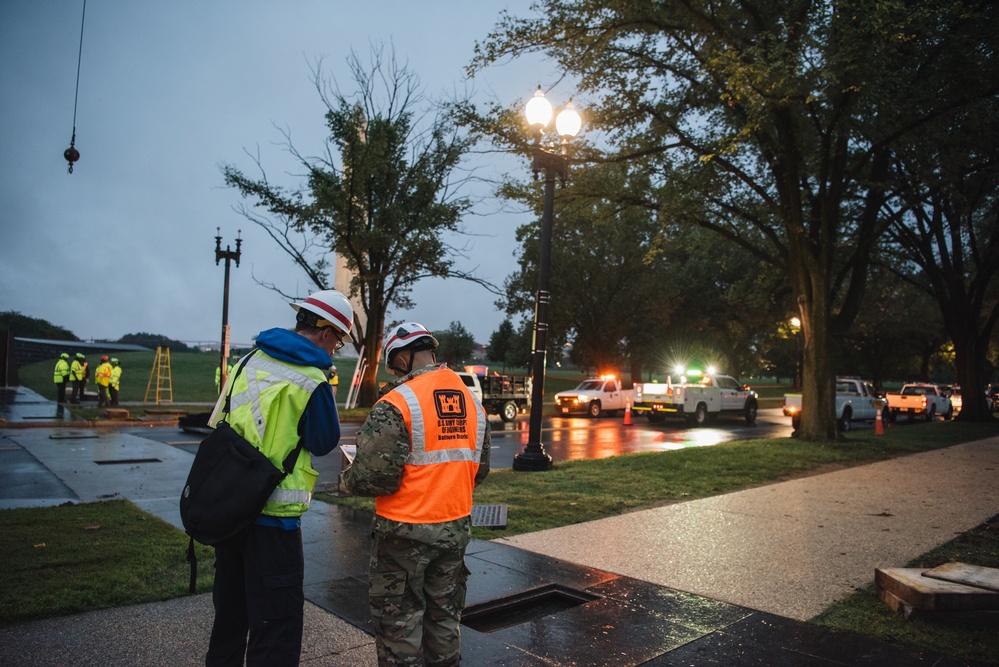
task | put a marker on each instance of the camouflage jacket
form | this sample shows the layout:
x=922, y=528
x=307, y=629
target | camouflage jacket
x=383, y=444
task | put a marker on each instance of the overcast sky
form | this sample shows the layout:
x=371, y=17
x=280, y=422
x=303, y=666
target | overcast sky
x=170, y=90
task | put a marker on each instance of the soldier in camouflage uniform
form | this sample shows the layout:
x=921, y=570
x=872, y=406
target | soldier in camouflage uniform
x=422, y=479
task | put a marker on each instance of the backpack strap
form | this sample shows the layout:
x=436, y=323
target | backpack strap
x=232, y=383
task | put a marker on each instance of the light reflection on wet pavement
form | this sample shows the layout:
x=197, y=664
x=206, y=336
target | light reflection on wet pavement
x=583, y=438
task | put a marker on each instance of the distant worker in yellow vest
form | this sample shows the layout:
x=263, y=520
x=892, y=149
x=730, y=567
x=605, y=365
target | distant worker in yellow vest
x=115, y=380
x=334, y=380
x=78, y=374
x=280, y=398
x=218, y=376
x=103, y=377
x=421, y=451
x=61, y=377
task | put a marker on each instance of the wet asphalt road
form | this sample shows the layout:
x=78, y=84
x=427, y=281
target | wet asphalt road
x=564, y=438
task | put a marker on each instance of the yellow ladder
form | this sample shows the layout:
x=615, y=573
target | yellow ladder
x=164, y=380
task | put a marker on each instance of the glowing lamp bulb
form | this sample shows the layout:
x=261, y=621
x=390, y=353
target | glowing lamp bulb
x=538, y=109
x=568, y=121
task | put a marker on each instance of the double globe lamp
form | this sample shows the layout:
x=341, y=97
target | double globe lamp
x=554, y=164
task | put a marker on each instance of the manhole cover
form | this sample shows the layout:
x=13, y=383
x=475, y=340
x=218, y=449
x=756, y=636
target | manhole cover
x=489, y=516
x=523, y=607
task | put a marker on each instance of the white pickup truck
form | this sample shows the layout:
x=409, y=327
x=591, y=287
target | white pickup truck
x=697, y=397
x=856, y=400
x=594, y=396
x=920, y=400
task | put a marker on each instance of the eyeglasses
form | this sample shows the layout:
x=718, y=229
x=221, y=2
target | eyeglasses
x=339, y=339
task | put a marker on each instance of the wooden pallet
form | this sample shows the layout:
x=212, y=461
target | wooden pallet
x=948, y=588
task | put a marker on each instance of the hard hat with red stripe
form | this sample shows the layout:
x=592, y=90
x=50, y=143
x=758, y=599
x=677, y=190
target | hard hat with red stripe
x=328, y=308
x=408, y=335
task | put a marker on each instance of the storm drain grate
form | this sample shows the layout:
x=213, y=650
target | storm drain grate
x=523, y=607
x=489, y=516
x=112, y=462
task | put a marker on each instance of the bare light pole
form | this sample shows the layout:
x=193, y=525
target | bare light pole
x=553, y=164
x=227, y=255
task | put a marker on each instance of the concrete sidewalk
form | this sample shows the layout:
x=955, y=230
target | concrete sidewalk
x=795, y=547
x=719, y=581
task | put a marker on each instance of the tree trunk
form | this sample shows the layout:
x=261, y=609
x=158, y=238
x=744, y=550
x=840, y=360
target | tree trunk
x=818, y=402
x=367, y=393
x=969, y=358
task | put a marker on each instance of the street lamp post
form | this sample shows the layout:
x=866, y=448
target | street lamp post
x=554, y=165
x=227, y=255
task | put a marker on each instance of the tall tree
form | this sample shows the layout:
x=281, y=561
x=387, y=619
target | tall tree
x=629, y=299
x=896, y=326
x=500, y=342
x=456, y=344
x=382, y=198
x=945, y=196
x=770, y=123
x=605, y=272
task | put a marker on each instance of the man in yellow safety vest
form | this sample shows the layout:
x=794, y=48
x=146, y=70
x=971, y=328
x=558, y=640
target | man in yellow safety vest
x=279, y=398
x=61, y=377
x=78, y=374
x=103, y=377
x=115, y=380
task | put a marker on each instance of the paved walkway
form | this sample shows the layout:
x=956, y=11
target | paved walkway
x=796, y=547
x=719, y=581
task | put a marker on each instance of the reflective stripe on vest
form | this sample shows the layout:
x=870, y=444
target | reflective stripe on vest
x=438, y=477
x=253, y=400
x=277, y=372
x=290, y=496
x=418, y=456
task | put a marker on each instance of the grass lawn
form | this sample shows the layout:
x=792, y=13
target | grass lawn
x=76, y=558
x=584, y=490
x=192, y=376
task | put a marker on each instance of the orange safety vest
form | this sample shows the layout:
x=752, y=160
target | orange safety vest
x=446, y=427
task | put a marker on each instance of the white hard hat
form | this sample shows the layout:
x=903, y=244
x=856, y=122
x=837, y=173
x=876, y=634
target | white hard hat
x=408, y=334
x=331, y=309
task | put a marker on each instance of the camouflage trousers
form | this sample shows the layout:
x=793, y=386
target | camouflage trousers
x=417, y=593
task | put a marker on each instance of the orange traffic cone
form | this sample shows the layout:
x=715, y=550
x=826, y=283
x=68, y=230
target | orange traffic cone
x=879, y=424
x=627, y=413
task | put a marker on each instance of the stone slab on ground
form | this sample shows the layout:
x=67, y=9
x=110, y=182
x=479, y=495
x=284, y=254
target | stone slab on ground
x=969, y=575
x=927, y=594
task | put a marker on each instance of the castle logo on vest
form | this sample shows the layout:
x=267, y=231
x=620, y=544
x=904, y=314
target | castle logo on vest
x=450, y=403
